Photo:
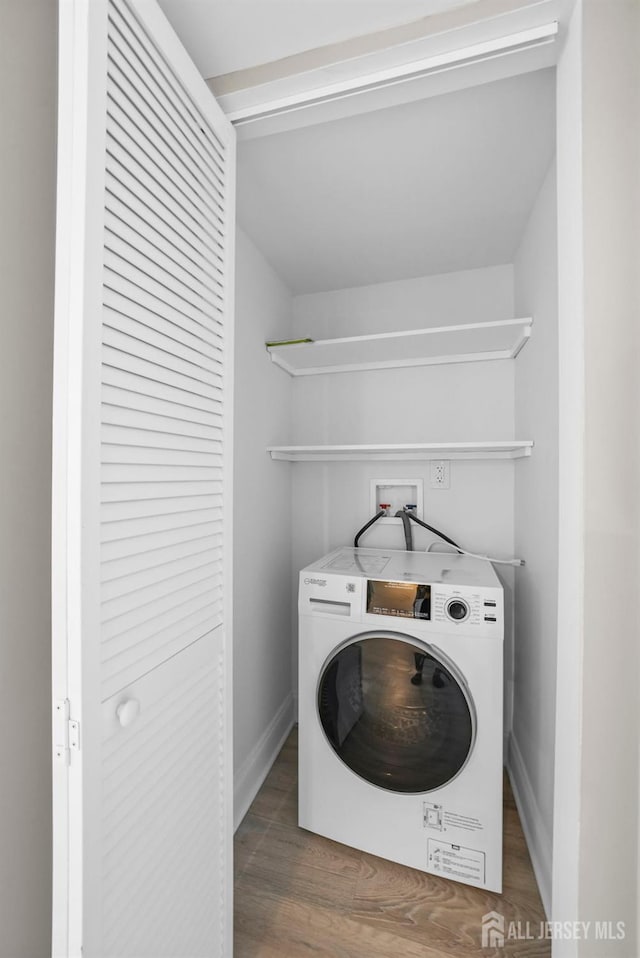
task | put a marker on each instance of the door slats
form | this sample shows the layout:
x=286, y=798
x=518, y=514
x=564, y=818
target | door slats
x=155, y=302
x=149, y=122
x=150, y=364
x=159, y=288
x=123, y=186
x=174, y=119
x=127, y=418
x=128, y=165
x=138, y=509
x=131, y=589
x=129, y=133
x=173, y=91
x=149, y=561
x=163, y=358
x=195, y=365
x=133, y=232
x=150, y=387
x=152, y=651
x=157, y=226
x=184, y=141
x=142, y=491
x=140, y=545
x=116, y=623
x=157, y=278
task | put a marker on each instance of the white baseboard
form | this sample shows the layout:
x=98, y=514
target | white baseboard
x=535, y=831
x=256, y=766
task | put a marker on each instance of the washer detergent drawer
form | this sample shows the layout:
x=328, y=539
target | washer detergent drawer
x=329, y=606
x=334, y=596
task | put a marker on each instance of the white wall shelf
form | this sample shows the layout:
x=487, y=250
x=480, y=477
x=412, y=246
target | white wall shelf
x=407, y=452
x=470, y=342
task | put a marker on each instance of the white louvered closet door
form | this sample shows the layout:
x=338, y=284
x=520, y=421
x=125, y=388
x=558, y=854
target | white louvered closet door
x=142, y=505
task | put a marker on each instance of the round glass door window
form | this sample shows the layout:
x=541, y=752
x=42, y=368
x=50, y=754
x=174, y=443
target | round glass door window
x=395, y=714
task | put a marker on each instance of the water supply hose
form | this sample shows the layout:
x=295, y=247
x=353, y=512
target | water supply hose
x=375, y=518
x=436, y=532
x=408, y=534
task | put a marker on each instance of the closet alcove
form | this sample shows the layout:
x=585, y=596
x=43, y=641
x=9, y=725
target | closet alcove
x=415, y=247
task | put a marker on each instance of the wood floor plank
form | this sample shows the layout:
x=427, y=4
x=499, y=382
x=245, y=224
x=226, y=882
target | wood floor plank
x=300, y=866
x=421, y=907
x=298, y=929
x=299, y=895
x=247, y=840
x=290, y=846
x=276, y=804
x=277, y=800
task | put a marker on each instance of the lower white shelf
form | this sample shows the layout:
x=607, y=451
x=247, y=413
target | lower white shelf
x=415, y=451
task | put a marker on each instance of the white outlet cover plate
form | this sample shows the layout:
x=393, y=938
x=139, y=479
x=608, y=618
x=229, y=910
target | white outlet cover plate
x=440, y=474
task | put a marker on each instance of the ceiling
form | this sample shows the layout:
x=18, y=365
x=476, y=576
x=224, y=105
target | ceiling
x=435, y=186
x=442, y=184
x=223, y=36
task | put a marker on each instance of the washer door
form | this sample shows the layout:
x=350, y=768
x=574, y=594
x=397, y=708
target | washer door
x=395, y=714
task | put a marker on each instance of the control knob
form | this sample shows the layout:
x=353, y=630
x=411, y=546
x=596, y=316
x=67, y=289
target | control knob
x=457, y=609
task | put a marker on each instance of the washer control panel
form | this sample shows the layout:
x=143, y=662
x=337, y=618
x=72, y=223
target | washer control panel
x=470, y=607
x=430, y=595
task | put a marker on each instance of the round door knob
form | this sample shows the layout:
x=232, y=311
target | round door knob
x=128, y=712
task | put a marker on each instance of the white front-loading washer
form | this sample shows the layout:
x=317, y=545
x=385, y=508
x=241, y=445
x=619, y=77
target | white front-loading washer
x=400, y=709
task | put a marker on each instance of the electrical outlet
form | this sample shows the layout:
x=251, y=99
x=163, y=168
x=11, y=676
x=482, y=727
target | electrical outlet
x=440, y=475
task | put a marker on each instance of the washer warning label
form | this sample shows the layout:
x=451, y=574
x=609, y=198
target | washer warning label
x=453, y=820
x=454, y=861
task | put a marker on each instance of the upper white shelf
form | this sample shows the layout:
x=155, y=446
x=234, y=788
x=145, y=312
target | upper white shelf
x=471, y=342
x=408, y=452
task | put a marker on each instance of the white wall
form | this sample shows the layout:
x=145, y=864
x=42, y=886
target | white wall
x=471, y=401
x=27, y=178
x=263, y=704
x=611, y=718
x=531, y=759
x=597, y=773
x=455, y=402
x=27, y=185
x=571, y=436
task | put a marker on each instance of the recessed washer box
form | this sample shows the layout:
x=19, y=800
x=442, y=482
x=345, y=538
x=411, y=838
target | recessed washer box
x=398, y=493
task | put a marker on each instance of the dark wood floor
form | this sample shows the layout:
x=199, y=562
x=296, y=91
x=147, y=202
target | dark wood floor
x=298, y=895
